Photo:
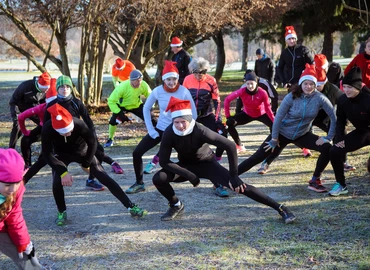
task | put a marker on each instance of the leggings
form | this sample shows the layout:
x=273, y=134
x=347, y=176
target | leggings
x=97, y=170
x=27, y=141
x=353, y=141
x=16, y=131
x=211, y=170
x=306, y=141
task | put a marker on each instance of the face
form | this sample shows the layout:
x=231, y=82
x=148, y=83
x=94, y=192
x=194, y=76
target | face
x=350, y=91
x=171, y=82
x=181, y=124
x=259, y=56
x=291, y=41
x=64, y=90
x=136, y=83
x=320, y=87
x=308, y=87
x=367, y=48
x=251, y=85
x=199, y=74
x=175, y=49
x=7, y=189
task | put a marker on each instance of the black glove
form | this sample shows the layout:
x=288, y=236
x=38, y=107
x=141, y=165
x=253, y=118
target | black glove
x=236, y=181
x=195, y=182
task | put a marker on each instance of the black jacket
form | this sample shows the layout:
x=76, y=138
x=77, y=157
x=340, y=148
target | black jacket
x=182, y=58
x=265, y=68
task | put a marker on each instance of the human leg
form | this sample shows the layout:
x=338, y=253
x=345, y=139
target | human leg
x=234, y=121
x=35, y=168
x=14, y=135
x=27, y=141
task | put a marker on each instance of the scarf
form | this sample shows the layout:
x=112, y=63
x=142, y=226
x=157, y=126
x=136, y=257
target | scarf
x=171, y=90
x=186, y=131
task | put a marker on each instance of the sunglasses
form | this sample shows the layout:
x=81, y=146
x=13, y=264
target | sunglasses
x=196, y=71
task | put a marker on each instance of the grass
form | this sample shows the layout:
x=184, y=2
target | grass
x=214, y=233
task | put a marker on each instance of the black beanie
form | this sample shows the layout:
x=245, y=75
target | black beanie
x=354, y=78
x=260, y=51
x=251, y=76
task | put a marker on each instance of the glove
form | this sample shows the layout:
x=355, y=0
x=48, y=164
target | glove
x=236, y=181
x=195, y=182
x=123, y=117
x=271, y=145
x=153, y=134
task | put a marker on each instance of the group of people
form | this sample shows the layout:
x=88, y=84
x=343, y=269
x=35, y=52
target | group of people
x=189, y=122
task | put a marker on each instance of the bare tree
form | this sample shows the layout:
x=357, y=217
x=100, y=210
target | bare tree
x=362, y=9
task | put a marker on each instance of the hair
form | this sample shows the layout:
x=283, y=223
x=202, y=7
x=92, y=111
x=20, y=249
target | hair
x=198, y=64
x=7, y=206
x=367, y=41
x=296, y=90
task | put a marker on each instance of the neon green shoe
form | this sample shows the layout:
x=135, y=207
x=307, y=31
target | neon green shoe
x=61, y=219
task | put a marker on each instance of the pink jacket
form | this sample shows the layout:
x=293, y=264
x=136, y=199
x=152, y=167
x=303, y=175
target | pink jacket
x=38, y=110
x=14, y=223
x=253, y=105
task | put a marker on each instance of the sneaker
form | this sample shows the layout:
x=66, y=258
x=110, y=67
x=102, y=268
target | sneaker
x=116, y=168
x=348, y=168
x=222, y=192
x=337, y=190
x=306, y=152
x=316, y=185
x=287, y=216
x=173, y=212
x=137, y=212
x=264, y=168
x=94, y=185
x=150, y=168
x=218, y=159
x=135, y=188
x=61, y=219
x=109, y=143
x=240, y=148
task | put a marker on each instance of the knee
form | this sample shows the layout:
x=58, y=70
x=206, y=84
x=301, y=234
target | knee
x=159, y=178
x=112, y=121
x=230, y=122
x=336, y=151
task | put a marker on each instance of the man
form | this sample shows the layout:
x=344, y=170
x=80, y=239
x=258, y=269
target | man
x=181, y=57
x=121, y=71
x=125, y=98
x=264, y=67
x=27, y=95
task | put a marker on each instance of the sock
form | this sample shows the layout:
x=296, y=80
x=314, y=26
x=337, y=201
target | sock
x=112, y=131
x=155, y=160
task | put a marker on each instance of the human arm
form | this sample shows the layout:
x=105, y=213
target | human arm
x=329, y=110
x=351, y=64
x=341, y=121
x=147, y=116
x=230, y=98
x=283, y=110
x=38, y=110
x=280, y=69
x=216, y=100
x=194, y=111
x=114, y=97
x=267, y=105
x=271, y=68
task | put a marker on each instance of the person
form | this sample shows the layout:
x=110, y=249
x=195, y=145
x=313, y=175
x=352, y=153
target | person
x=66, y=139
x=181, y=57
x=27, y=95
x=121, y=71
x=78, y=109
x=292, y=63
x=362, y=60
x=15, y=241
x=264, y=67
x=191, y=140
x=204, y=91
x=292, y=124
x=126, y=98
x=335, y=73
x=353, y=107
x=162, y=95
x=34, y=135
x=256, y=106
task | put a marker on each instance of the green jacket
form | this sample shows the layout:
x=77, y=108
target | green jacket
x=124, y=95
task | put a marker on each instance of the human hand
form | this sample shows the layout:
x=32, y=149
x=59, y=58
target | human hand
x=322, y=140
x=27, y=249
x=67, y=180
x=237, y=184
x=340, y=144
x=271, y=145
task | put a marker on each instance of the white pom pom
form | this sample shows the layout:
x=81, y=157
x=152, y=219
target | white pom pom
x=59, y=117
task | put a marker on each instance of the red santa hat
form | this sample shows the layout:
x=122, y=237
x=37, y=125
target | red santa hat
x=176, y=42
x=179, y=107
x=61, y=119
x=120, y=64
x=321, y=61
x=290, y=32
x=43, y=81
x=309, y=73
x=11, y=166
x=51, y=94
x=170, y=70
x=321, y=76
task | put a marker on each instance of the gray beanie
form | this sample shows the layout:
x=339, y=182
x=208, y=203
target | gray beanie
x=135, y=74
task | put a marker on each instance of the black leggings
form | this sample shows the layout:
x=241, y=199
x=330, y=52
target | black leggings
x=306, y=141
x=137, y=111
x=211, y=170
x=96, y=170
x=242, y=118
x=352, y=141
x=27, y=141
x=144, y=146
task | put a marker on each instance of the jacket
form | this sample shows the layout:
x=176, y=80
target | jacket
x=38, y=110
x=361, y=60
x=265, y=68
x=182, y=58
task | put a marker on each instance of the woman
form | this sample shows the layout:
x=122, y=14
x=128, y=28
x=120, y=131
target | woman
x=353, y=106
x=256, y=106
x=196, y=160
x=162, y=95
x=14, y=238
x=293, y=123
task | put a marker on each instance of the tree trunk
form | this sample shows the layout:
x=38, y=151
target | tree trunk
x=221, y=56
x=245, y=48
x=328, y=44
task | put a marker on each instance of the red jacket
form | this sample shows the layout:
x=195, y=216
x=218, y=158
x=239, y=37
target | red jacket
x=363, y=62
x=14, y=223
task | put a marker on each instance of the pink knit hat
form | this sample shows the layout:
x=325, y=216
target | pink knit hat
x=11, y=166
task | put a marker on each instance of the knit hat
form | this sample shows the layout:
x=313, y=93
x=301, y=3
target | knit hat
x=321, y=76
x=250, y=76
x=64, y=80
x=11, y=166
x=309, y=73
x=51, y=94
x=120, y=64
x=135, y=74
x=259, y=51
x=43, y=81
x=176, y=42
x=61, y=119
x=290, y=32
x=353, y=78
x=170, y=70
x=179, y=107
x=321, y=61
